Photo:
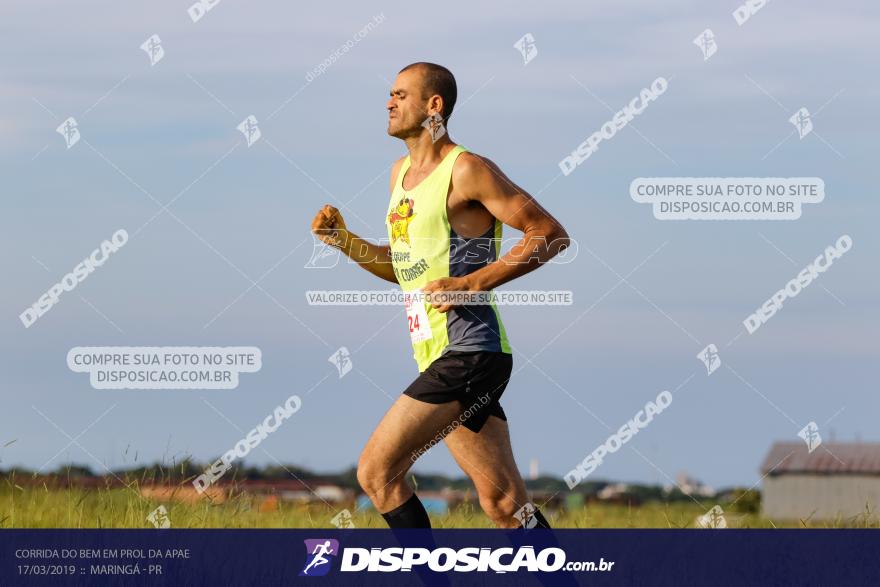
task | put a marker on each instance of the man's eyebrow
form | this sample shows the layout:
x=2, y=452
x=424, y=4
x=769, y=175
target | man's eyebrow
x=398, y=91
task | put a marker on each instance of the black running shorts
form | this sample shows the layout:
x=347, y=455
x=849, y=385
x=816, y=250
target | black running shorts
x=476, y=379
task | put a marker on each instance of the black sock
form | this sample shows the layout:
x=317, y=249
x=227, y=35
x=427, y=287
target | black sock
x=411, y=514
x=542, y=521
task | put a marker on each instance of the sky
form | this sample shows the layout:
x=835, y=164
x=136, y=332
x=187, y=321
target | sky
x=219, y=237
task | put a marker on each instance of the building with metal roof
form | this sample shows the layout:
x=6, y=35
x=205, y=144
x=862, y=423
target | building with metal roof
x=832, y=481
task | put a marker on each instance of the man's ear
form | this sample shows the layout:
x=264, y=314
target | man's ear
x=435, y=104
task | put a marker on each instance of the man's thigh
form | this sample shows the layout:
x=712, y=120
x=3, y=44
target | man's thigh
x=405, y=430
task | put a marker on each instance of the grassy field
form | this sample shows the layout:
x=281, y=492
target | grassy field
x=33, y=507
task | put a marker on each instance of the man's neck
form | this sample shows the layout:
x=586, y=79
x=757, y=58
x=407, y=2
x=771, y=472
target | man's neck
x=424, y=153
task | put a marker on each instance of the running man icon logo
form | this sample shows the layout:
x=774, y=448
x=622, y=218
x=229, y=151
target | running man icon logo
x=343, y=520
x=250, y=130
x=435, y=126
x=318, y=553
x=526, y=516
x=70, y=131
x=526, y=46
x=342, y=359
x=153, y=48
x=714, y=518
x=710, y=358
x=706, y=43
x=810, y=435
x=159, y=518
x=802, y=121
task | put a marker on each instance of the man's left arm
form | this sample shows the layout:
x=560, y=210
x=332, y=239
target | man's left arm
x=479, y=179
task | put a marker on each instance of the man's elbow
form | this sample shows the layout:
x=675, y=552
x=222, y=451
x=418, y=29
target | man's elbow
x=558, y=239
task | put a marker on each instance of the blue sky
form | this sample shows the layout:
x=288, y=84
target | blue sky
x=153, y=132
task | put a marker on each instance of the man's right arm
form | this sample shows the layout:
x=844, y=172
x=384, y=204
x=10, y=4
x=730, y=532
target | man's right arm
x=329, y=226
x=374, y=258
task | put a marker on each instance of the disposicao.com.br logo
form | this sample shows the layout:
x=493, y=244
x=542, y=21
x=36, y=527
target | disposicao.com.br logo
x=441, y=559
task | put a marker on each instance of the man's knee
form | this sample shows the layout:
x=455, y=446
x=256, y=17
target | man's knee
x=366, y=474
x=498, y=504
x=374, y=477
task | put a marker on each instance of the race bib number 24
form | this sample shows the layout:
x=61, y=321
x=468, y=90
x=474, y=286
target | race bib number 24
x=417, y=318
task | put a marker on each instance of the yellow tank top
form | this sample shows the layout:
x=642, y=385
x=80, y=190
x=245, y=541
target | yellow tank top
x=424, y=247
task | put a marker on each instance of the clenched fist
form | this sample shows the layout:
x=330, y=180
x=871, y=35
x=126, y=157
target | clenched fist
x=329, y=226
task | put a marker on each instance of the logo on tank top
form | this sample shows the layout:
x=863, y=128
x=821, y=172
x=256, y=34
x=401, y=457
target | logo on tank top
x=399, y=219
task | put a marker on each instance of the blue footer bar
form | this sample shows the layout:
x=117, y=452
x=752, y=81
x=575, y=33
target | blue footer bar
x=439, y=557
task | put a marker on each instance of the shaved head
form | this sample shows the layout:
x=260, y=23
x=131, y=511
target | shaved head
x=436, y=80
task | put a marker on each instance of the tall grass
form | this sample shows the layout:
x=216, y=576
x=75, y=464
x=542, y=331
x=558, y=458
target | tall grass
x=114, y=507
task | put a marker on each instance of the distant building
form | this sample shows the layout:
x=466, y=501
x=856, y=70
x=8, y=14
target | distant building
x=618, y=493
x=613, y=491
x=691, y=486
x=835, y=480
x=285, y=490
x=296, y=490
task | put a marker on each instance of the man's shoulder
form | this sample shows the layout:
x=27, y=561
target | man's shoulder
x=470, y=168
x=469, y=161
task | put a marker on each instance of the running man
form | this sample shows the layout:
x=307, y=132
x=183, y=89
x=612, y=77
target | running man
x=444, y=225
x=320, y=559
